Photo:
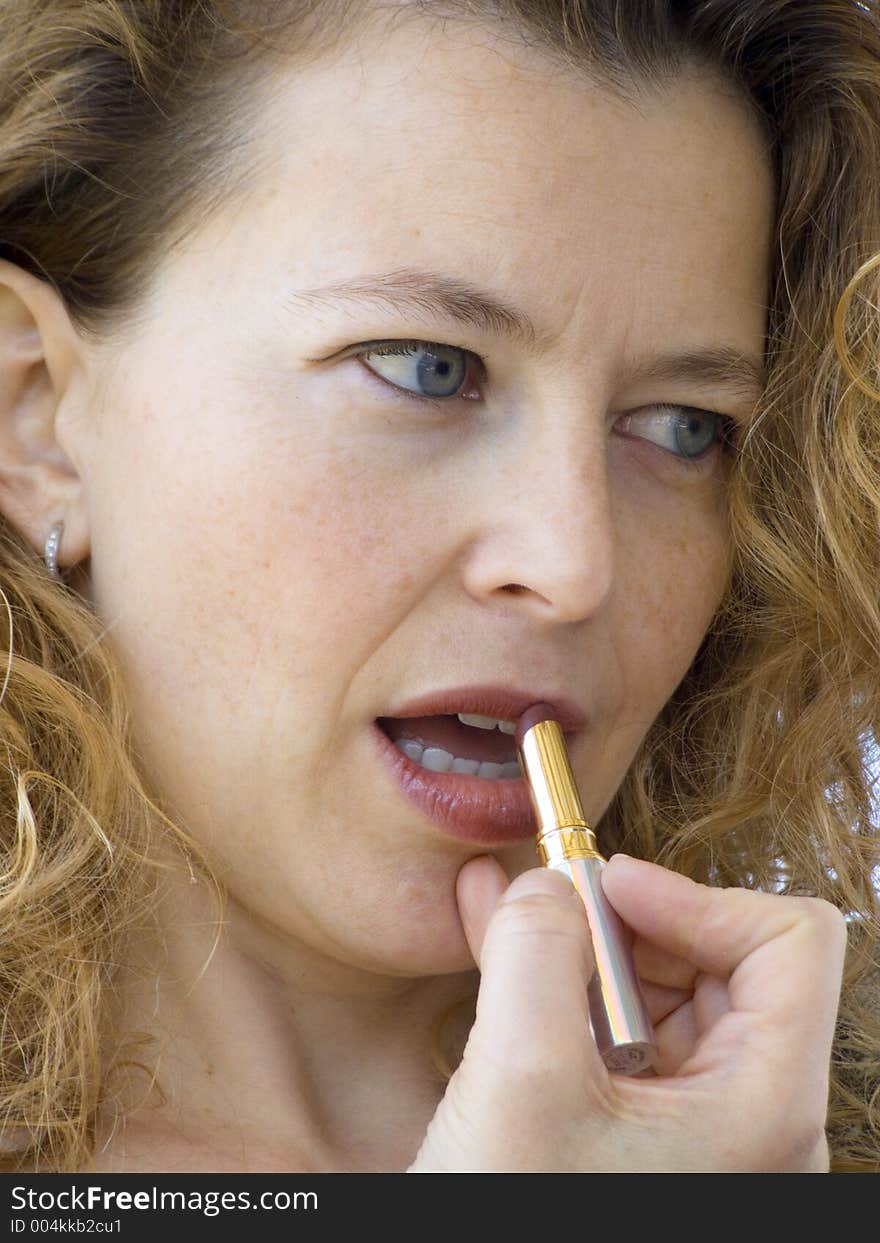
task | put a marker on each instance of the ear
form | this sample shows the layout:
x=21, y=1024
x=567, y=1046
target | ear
x=42, y=400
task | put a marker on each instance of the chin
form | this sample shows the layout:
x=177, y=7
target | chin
x=428, y=950
x=411, y=936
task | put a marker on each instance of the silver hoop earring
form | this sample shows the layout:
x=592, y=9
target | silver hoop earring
x=52, y=544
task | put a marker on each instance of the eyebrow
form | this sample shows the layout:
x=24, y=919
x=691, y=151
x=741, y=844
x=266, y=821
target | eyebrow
x=430, y=294
x=742, y=373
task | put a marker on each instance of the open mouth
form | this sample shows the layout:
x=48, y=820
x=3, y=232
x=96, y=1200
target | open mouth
x=468, y=744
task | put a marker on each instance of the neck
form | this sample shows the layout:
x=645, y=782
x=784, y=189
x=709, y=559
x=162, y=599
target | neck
x=265, y=1054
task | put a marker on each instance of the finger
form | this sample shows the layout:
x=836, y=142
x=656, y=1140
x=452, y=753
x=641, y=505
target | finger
x=535, y=960
x=676, y=1036
x=479, y=887
x=782, y=956
x=711, y=1001
x=680, y=1029
x=662, y=968
x=714, y=929
x=661, y=1001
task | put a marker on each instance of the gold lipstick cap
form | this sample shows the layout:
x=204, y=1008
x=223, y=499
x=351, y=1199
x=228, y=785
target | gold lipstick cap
x=562, y=825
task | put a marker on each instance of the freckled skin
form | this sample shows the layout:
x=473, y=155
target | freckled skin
x=287, y=550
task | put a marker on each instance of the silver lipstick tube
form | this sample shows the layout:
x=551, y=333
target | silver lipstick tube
x=621, y=1026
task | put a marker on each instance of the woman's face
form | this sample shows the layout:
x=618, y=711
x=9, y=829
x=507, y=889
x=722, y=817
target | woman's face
x=288, y=545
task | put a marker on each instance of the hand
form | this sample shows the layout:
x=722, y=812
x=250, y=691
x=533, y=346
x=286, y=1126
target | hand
x=743, y=991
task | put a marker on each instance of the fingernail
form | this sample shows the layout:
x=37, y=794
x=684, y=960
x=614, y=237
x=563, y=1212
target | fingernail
x=539, y=880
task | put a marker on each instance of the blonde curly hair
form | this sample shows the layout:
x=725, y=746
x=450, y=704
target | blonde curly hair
x=756, y=773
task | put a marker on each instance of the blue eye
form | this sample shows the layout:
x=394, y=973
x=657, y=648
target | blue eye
x=423, y=368
x=684, y=431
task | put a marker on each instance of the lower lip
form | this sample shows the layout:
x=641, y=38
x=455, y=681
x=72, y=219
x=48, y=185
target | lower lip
x=473, y=809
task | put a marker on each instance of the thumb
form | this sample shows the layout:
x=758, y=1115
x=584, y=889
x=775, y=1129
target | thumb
x=532, y=943
x=478, y=890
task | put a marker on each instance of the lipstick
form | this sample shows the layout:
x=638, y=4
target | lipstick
x=618, y=1017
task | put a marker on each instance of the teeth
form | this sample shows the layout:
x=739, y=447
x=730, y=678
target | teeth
x=439, y=761
x=486, y=722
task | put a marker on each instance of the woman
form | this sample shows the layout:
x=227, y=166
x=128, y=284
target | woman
x=367, y=365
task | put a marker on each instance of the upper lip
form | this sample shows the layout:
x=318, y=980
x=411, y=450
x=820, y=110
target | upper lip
x=503, y=703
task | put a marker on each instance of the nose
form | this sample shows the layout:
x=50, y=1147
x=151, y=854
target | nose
x=545, y=545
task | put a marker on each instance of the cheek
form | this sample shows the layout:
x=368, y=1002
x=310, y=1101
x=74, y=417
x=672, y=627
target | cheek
x=669, y=594
x=675, y=598
x=260, y=540
x=343, y=558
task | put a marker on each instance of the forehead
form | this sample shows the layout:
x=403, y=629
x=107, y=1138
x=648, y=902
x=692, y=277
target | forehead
x=436, y=148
